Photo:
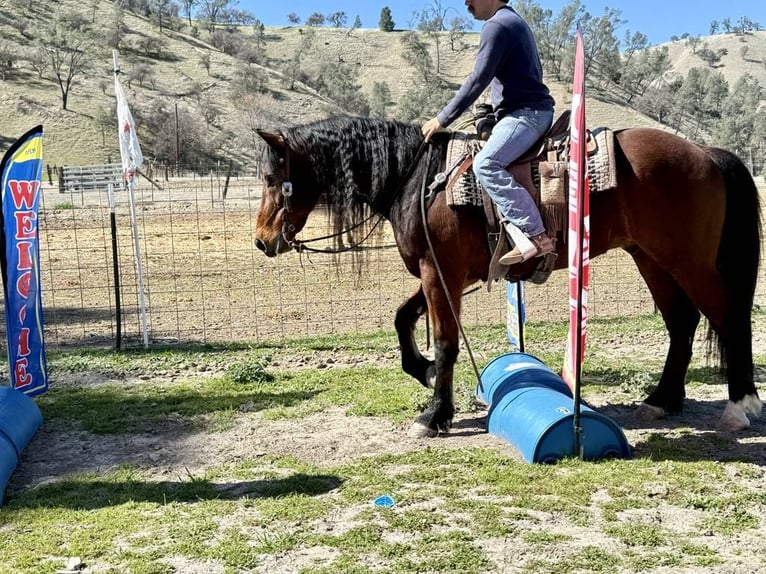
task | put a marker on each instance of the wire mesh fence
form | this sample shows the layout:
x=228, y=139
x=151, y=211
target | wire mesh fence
x=186, y=271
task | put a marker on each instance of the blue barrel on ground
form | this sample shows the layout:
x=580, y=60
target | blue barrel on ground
x=20, y=418
x=532, y=407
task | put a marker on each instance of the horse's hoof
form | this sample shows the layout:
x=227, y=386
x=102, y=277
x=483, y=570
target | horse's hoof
x=734, y=418
x=419, y=430
x=647, y=412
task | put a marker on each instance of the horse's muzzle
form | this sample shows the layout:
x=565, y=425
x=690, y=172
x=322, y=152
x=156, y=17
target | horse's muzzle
x=274, y=247
x=262, y=246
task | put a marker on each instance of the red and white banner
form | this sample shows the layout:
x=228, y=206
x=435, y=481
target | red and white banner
x=579, y=229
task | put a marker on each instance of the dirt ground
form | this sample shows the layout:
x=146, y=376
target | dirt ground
x=323, y=438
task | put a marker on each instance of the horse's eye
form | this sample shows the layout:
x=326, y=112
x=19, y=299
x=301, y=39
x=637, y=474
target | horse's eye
x=271, y=181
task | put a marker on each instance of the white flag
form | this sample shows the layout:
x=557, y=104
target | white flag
x=130, y=150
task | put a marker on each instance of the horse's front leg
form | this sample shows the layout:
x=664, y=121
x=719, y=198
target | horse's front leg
x=437, y=416
x=413, y=362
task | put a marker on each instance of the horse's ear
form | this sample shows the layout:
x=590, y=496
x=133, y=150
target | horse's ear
x=275, y=141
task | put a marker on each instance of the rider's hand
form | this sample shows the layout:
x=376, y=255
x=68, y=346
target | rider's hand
x=430, y=128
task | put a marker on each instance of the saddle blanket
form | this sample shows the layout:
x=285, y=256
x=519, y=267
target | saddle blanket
x=602, y=172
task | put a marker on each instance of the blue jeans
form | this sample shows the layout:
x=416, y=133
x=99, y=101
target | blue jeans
x=511, y=137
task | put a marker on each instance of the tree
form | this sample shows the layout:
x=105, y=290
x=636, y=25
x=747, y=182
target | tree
x=357, y=23
x=215, y=12
x=293, y=67
x=714, y=25
x=432, y=20
x=457, y=29
x=293, y=18
x=739, y=112
x=602, y=52
x=642, y=66
x=315, y=20
x=163, y=13
x=187, y=8
x=8, y=59
x=339, y=82
x=337, y=19
x=416, y=55
x=113, y=30
x=65, y=45
x=380, y=100
x=204, y=61
x=554, y=35
x=698, y=100
x=386, y=22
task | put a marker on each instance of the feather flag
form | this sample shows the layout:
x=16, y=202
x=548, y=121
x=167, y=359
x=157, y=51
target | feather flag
x=21, y=171
x=132, y=159
x=579, y=229
x=130, y=149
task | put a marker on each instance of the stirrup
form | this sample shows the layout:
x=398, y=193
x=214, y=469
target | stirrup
x=541, y=245
x=523, y=248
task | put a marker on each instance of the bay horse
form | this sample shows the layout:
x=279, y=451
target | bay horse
x=688, y=215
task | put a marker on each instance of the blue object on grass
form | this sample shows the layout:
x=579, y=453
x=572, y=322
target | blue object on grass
x=19, y=420
x=384, y=501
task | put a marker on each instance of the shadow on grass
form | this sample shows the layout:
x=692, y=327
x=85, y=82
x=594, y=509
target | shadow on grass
x=692, y=435
x=87, y=494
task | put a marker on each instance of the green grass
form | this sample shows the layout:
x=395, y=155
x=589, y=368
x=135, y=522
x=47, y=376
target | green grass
x=455, y=506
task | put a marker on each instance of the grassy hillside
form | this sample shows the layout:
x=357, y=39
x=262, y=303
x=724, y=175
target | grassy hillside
x=83, y=134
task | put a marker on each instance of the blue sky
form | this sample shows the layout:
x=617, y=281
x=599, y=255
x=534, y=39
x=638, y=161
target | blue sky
x=658, y=19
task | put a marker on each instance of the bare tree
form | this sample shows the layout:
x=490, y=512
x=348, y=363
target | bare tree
x=187, y=7
x=215, y=12
x=66, y=44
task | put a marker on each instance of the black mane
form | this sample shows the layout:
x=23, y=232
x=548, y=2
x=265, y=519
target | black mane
x=357, y=159
x=361, y=164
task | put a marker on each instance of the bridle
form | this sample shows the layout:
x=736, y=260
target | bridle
x=301, y=245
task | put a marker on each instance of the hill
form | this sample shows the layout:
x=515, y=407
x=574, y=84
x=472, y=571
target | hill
x=172, y=73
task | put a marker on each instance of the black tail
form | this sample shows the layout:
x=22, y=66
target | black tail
x=739, y=258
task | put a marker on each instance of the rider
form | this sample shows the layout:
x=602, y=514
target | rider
x=508, y=61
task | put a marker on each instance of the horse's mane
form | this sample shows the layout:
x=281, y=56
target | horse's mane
x=359, y=162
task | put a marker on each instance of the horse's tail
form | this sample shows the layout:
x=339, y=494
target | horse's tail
x=739, y=252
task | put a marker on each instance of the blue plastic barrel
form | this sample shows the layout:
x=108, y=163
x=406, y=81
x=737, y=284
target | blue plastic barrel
x=20, y=418
x=539, y=422
x=514, y=370
x=532, y=407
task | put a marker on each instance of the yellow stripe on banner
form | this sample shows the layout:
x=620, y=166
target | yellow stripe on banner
x=31, y=150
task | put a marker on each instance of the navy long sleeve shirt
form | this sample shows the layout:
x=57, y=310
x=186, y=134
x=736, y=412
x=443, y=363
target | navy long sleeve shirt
x=508, y=61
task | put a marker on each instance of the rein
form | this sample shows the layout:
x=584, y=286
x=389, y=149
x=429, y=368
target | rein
x=424, y=216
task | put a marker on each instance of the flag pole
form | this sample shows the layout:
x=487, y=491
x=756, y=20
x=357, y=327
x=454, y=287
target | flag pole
x=116, y=267
x=579, y=245
x=129, y=165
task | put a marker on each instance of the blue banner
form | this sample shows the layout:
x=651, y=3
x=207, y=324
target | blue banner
x=516, y=315
x=21, y=171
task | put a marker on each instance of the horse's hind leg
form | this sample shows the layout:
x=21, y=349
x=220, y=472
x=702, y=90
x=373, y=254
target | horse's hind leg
x=681, y=319
x=413, y=362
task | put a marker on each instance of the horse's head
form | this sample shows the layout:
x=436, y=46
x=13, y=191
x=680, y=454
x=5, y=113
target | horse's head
x=287, y=196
